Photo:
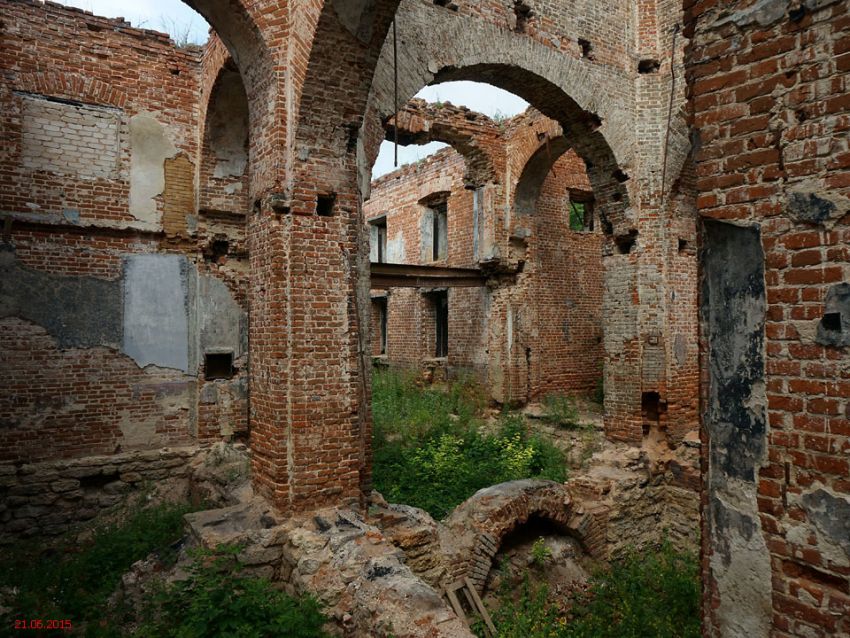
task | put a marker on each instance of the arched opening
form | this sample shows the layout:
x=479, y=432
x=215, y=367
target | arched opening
x=542, y=548
x=438, y=213
x=223, y=242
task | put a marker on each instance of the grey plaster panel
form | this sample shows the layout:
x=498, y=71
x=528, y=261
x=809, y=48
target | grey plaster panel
x=156, y=318
x=79, y=312
x=221, y=317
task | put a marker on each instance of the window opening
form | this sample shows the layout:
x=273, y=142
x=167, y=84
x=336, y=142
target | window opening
x=441, y=320
x=382, y=315
x=218, y=365
x=440, y=230
x=380, y=238
x=325, y=205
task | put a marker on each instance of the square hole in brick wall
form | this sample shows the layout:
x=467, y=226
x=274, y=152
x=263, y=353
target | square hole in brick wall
x=218, y=365
x=325, y=205
x=832, y=321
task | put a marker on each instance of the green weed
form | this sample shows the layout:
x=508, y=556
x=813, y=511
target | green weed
x=562, y=411
x=429, y=450
x=74, y=580
x=220, y=600
x=648, y=594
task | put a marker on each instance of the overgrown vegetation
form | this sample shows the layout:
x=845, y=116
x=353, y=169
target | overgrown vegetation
x=220, y=600
x=430, y=451
x=74, y=579
x=651, y=594
x=562, y=411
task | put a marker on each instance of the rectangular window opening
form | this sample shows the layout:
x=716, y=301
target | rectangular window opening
x=382, y=242
x=441, y=321
x=218, y=365
x=581, y=210
x=325, y=205
x=382, y=315
x=440, y=231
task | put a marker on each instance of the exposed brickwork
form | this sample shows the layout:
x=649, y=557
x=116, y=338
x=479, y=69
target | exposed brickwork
x=67, y=176
x=772, y=116
x=553, y=344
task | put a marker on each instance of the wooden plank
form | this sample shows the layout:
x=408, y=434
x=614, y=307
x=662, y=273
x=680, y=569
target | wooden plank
x=479, y=604
x=456, y=606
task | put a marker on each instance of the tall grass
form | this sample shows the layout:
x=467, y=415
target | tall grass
x=74, y=579
x=430, y=451
x=649, y=594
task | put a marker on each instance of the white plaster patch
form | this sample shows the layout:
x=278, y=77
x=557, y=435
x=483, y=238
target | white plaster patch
x=395, y=249
x=744, y=581
x=150, y=146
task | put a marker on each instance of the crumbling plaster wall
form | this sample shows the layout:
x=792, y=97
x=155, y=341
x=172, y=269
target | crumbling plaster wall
x=112, y=288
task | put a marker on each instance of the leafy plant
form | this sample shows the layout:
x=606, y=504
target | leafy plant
x=429, y=450
x=562, y=411
x=72, y=579
x=599, y=395
x=540, y=552
x=220, y=600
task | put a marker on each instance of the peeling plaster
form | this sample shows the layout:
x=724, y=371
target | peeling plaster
x=156, y=321
x=733, y=315
x=150, y=146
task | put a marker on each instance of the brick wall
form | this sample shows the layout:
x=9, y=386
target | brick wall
x=772, y=170
x=552, y=340
x=72, y=90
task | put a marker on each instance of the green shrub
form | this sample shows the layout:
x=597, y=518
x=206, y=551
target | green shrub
x=540, y=552
x=651, y=594
x=562, y=411
x=647, y=594
x=429, y=450
x=220, y=600
x=74, y=580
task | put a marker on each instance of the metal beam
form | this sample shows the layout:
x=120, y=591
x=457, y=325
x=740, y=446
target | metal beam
x=410, y=276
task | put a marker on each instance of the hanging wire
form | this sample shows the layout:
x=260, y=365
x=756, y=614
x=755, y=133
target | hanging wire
x=669, y=108
x=395, y=92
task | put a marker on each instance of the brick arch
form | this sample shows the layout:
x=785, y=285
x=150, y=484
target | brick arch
x=596, y=122
x=475, y=136
x=486, y=518
x=535, y=171
x=241, y=28
x=72, y=86
x=223, y=169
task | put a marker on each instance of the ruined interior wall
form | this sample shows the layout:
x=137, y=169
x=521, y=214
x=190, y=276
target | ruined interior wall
x=410, y=323
x=771, y=113
x=143, y=85
x=112, y=290
x=565, y=288
x=70, y=389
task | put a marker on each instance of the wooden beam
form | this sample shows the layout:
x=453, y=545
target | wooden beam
x=411, y=276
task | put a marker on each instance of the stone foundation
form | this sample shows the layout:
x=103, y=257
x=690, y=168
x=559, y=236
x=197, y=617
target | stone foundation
x=49, y=498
